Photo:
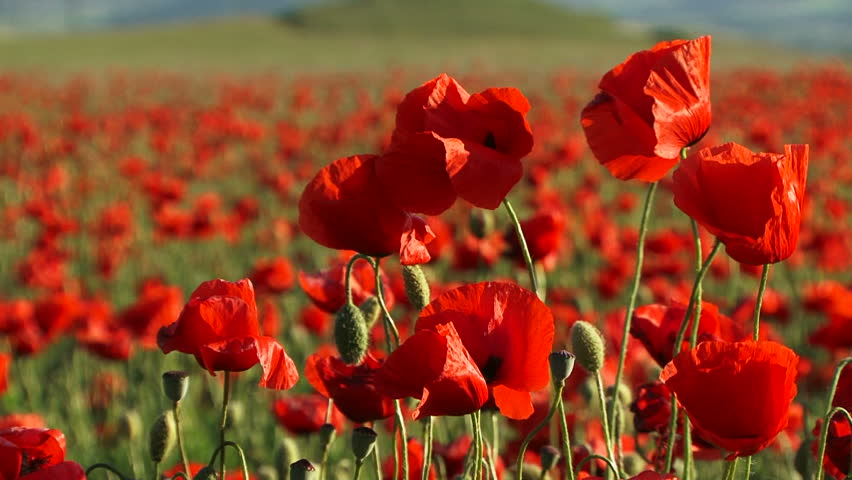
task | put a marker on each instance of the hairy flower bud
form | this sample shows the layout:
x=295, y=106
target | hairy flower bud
x=350, y=334
x=416, y=286
x=587, y=343
x=161, y=437
x=372, y=311
x=286, y=453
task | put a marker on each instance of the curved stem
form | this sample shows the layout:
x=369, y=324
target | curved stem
x=390, y=326
x=180, y=475
x=107, y=467
x=566, y=440
x=427, y=447
x=525, y=251
x=347, y=280
x=634, y=291
x=764, y=277
x=828, y=415
x=179, y=435
x=595, y=456
x=226, y=394
x=519, y=464
x=220, y=450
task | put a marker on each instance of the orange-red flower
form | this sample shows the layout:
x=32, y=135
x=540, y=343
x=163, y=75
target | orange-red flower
x=35, y=454
x=448, y=143
x=650, y=107
x=4, y=372
x=752, y=202
x=219, y=326
x=352, y=387
x=345, y=207
x=305, y=413
x=737, y=394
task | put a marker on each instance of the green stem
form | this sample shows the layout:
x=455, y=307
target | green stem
x=566, y=440
x=764, y=277
x=699, y=289
x=156, y=471
x=348, y=278
x=731, y=469
x=358, y=464
x=634, y=291
x=427, y=447
x=378, y=461
x=400, y=421
x=220, y=450
x=595, y=456
x=477, y=445
x=226, y=394
x=520, y=462
x=183, y=457
x=687, y=448
x=390, y=326
x=107, y=467
x=828, y=415
x=525, y=251
x=748, y=468
x=604, y=417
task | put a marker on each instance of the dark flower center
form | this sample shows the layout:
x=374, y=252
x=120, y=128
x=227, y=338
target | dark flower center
x=30, y=465
x=490, y=141
x=492, y=366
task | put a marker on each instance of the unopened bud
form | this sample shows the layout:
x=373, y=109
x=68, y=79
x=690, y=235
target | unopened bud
x=416, y=286
x=327, y=433
x=588, y=345
x=350, y=334
x=302, y=470
x=175, y=385
x=625, y=395
x=206, y=473
x=286, y=453
x=161, y=437
x=130, y=424
x=372, y=311
x=363, y=441
x=236, y=414
x=561, y=366
x=549, y=457
x=633, y=463
x=480, y=222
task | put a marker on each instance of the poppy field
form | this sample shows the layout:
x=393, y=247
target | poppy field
x=636, y=273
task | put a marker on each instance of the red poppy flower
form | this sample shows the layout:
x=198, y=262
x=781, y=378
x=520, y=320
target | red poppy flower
x=157, y=306
x=455, y=145
x=272, y=275
x=433, y=366
x=305, y=413
x=220, y=327
x=352, y=387
x=838, y=446
x=4, y=372
x=766, y=191
x=101, y=334
x=834, y=335
x=345, y=207
x=415, y=462
x=509, y=334
x=544, y=234
x=35, y=454
x=327, y=288
x=737, y=394
x=651, y=408
x=28, y=420
x=650, y=107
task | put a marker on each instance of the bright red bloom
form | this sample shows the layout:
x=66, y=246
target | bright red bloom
x=434, y=366
x=35, y=454
x=272, y=275
x=220, y=327
x=455, y=145
x=544, y=234
x=651, y=408
x=4, y=372
x=352, y=387
x=157, y=306
x=751, y=202
x=345, y=207
x=509, y=334
x=415, y=462
x=305, y=413
x=650, y=107
x=737, y=394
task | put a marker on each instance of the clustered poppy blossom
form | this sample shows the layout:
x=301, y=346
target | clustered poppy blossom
x=650, y=107
x=766, y=190
x=737, y=394
x=220, y=327
x=35, y=454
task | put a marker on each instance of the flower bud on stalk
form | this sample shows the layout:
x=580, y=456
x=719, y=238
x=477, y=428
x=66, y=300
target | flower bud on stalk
x=175, y=385
x=588, y=345
x=285, y=454
x=549, y=457
x=561, y=366
x=130, y=424
x=327, y=434
x=372, y=311
x=265, y=472
x=416, y=286
x=363, y=441
x=161, y=437
x=302, y=470
x=481, y=222
x=350, y=334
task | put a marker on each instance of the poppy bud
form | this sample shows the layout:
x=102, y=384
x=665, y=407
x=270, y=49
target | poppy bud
x=587, y=342
x=130, y=424
x=302, y=470
x=618, y=420
x=175, y=385
x=363, y=441
x=371, y=310
x=416, y=286
x=265, y=472
x=561, y=366
x=350, y=334
x=480, y=222
x=633, y=463
x=327, y=433
x=206, y=473
x=236, y=413
x=549, y=457
x=285, y=454
x=161, y=437
x=625, y=395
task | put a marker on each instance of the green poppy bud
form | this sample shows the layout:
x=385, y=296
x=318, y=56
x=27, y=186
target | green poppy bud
x=175, y=385
x=161, y=437
x=625, y=395
x=549, y=457
x=372, y=311
x=633, y=464
x=130, y=424
x=302, y=470
x=350, y=334
x=326, y=434
x=236, y=413
x=416, y=286
x=363, y=441
x=588, y=345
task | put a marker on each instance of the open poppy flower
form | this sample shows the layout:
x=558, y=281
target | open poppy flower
x=345, y=207
x=219, y=326
x=508, y=332
x=650, y=107
x=455, y=145
x=327, y=288
x=544, y=234
x=737, y=394
x=35, y=454
x=305, y=413
x=752, y=202
x=352, y=387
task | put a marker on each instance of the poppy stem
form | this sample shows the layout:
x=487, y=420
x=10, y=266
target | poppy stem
x=595, y=456
x=220, y=450
x=358, y=465
x=179, y=435
x=687, y=448
x=828, y=415
x=605, y=418
x=764, y=277
x=525, y=251
x=699, y=289
x=631, y=301
x=107, y=467
x=477, y=444
x=427, y=447
x=519, y=465
x=226, y=394
x=400, y=421
x=347, y=281
x=378, y=461
x=390, y=326
x=731, y=469
x=566, y=439
x=748, y=467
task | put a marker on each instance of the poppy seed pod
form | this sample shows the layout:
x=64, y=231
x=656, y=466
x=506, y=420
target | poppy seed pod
x=549, y=457
x=175, y=385
x=416, y=286
x=587, y=342
x=561, y=366
x=161, y=437
x=327, y=433
x=363, y=441
x=285, y=454
x=350, y=334
x=371, y=310
x=625, y=395
x=302, y=470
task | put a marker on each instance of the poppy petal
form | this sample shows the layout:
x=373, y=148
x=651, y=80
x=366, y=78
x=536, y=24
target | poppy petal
x=62, y=471
x=514, y=404
x=413, y=242
x=239, y=354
